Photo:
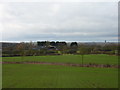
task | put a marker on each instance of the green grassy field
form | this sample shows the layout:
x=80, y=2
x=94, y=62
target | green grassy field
x=98, y=59
x=53, y=76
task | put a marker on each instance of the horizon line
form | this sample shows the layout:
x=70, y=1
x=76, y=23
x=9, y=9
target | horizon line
x=57, y=40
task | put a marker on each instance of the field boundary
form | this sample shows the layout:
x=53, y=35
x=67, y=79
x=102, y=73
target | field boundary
x=68, y=64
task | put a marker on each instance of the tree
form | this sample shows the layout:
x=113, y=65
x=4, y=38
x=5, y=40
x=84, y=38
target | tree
x=82, y=50
x=21, y=48
x=62, y=47
x=74, y=44
x=52, y=43
x=73, y=47
x=30, y=48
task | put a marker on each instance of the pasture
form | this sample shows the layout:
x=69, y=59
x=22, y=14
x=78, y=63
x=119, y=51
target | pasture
x=53, y=76
x=98, y=59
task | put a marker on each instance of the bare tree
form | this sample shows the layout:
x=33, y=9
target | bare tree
x=82, y=50
x=21, y=48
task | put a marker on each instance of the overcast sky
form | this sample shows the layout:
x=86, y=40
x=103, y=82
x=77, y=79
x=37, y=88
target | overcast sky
x=66, y=21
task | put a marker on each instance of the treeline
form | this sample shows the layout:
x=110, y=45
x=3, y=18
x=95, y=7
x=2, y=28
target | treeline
x=57, y=48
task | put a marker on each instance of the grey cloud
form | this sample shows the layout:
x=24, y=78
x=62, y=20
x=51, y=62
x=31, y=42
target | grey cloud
x=60, y=21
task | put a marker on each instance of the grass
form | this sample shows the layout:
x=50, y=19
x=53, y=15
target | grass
x=98, y=59
x=51, y=76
